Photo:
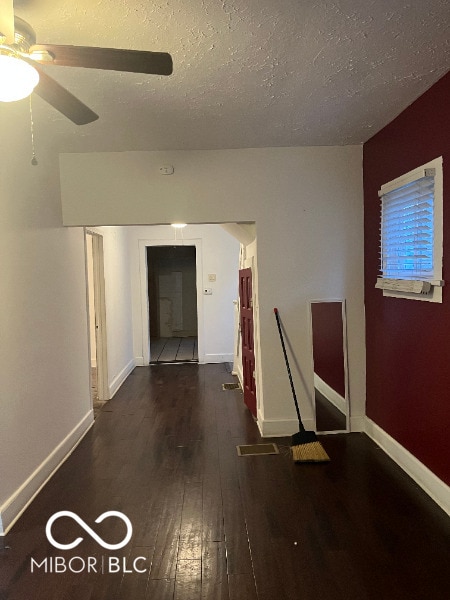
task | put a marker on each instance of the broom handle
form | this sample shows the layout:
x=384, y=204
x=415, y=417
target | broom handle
x=275, y=310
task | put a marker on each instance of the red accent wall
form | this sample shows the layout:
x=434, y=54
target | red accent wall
x=328, y=344
x=408, y=341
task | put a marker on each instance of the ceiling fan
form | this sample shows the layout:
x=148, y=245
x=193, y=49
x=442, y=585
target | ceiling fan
x=18, y=50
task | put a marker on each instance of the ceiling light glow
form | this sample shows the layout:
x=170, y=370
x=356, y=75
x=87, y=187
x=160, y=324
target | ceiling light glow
x=17, y=78
x=178, y=225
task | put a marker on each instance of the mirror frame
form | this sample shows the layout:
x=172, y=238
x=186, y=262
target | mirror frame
x=345, y=353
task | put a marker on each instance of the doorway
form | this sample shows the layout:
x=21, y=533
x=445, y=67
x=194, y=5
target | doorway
x=95, y=279
x=172, y=302
x=247, y=338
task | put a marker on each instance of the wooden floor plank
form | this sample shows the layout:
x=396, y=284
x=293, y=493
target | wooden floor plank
x=214, y=571
x=213, y=525
x=160, y=589
x=174, y=349
x=188, y=581
x=242, y=587
x=156, y=347
x=212, y=509
x=186, y=349
x=169, y=352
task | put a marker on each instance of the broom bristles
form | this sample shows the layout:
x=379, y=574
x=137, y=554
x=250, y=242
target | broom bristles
x=310, y=452
x=307, y=448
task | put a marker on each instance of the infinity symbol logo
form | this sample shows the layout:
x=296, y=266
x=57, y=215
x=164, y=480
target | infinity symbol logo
x=91, y=532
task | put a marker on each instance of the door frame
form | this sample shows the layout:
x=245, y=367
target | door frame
x=98, y=270
x=343, y=303
x=143, y=276
x=248, y=378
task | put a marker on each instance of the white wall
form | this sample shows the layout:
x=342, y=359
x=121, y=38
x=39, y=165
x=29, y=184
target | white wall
x=307, y=205
x=218, y=253
x=91, y=300
x=119, y=333
x=45, y=403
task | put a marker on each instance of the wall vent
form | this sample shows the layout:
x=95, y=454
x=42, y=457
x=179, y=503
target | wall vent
x=231, y=386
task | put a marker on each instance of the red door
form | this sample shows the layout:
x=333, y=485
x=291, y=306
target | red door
x=248, y=354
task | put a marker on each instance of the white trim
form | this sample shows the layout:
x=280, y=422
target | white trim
x=357, y=424
x=98, y=266
x=282, y=427
x=330, y=394
x=143, y=276
x=411, y=288
x=237, y=362
x=406, y=178
x=435, y=294
x=120, y=378
x=426, y=479
x=237, y=372
x=347, y=405
x=219, y=358
x=16, y=504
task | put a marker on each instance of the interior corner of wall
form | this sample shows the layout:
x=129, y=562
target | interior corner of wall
x=279, y=427
x=120, y=378
x=357, y=424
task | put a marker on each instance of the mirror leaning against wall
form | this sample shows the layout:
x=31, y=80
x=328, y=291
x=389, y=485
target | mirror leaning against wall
x=329, y=345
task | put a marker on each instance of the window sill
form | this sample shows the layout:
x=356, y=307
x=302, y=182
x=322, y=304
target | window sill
x=412, y=289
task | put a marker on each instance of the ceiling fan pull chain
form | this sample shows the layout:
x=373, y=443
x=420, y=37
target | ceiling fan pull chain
x=34, y=161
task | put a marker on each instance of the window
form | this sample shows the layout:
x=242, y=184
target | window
x=411, y=234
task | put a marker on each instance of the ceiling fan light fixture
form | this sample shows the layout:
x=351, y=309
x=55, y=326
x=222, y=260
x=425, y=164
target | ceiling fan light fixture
x=17, y=78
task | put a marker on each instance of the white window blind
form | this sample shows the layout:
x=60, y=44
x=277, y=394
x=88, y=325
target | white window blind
x=407, y=229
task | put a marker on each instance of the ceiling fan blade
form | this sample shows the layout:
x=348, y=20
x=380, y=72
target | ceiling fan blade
x=61, y=99
x=7, y=20
x=132, y=61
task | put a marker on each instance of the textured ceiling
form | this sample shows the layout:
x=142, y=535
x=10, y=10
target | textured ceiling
x=247, y=73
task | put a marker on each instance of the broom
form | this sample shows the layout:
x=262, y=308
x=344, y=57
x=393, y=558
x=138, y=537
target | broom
x=304, y=445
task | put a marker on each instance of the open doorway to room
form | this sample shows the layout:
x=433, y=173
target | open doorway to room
x=97, y=319
x=172, y=302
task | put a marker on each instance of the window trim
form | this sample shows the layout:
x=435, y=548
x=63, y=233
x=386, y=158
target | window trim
x=410, y=288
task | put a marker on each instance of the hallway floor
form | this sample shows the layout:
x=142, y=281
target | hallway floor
x=173, y=349
x=210, y=525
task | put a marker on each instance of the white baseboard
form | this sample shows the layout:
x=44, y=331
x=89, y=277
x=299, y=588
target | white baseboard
x=139, y=361
x=219, y=358
x=428, y=481
x=15, y=505
x=330, y=394
x=120, y=378
x=282, y=427
x=238, y=373
x=357, y=423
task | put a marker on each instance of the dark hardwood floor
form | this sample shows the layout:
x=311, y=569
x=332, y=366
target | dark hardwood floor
x=328, y=417
x=210, y=525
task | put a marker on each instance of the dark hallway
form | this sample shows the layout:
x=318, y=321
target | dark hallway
x=172, y=298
